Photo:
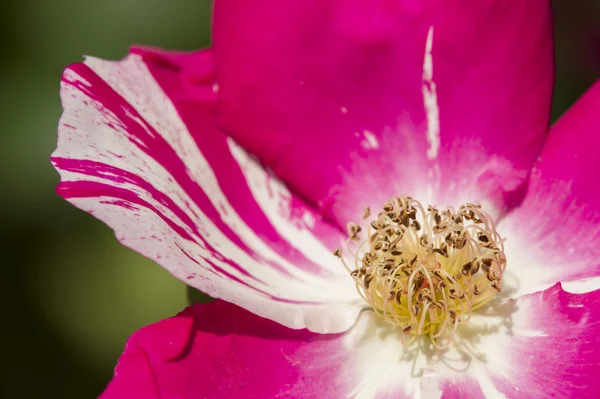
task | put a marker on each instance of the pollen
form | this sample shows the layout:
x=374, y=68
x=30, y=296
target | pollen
x=426, y=271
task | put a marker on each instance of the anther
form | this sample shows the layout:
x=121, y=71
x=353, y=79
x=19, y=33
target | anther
x=441, y=251
x=496, y=286
x=466, y=269
x=413, y=260
x=425, y=271
x=415, y=310
x=367, y=213
x=399, y=297
x=353, y=230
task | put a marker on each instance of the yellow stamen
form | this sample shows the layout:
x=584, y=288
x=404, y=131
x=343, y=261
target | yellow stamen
x=427, y=271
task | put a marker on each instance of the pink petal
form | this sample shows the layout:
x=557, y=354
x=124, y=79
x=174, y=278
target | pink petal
x=218, y=350
x=348, y=101
x=180, y=192
x=547, y=346
x=554, y=352
x=554, y=235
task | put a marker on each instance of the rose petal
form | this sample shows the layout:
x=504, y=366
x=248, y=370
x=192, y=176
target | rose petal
x=189, y=198
x=554, y=235
x=388, y=98
x=541, y=345
x=554, y=351
x=220, y=350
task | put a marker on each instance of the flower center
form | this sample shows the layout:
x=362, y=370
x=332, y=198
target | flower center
x=427, y=271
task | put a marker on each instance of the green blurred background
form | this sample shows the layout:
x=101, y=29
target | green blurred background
x=70, y=294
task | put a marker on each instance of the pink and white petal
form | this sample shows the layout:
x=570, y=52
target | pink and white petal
x=542, y=345
x=554, y=235
x=220, y=350
x=444, y=100
x=554, y=348
x=178, y=193
x=193, y=88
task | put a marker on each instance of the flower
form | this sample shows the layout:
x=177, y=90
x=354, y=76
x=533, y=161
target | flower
x=344, y=106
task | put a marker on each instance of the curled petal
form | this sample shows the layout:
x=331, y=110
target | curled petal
x=138, y=148
x=388, y=98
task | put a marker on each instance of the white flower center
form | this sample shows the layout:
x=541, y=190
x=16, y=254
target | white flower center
x=427, y=271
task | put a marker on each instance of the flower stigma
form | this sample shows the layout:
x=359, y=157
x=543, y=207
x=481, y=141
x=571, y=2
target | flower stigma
x=426, y=271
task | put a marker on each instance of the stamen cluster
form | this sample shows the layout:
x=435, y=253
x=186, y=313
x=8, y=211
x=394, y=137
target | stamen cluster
x=427, y=271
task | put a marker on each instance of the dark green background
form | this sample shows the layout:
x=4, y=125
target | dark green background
x=70, y=295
